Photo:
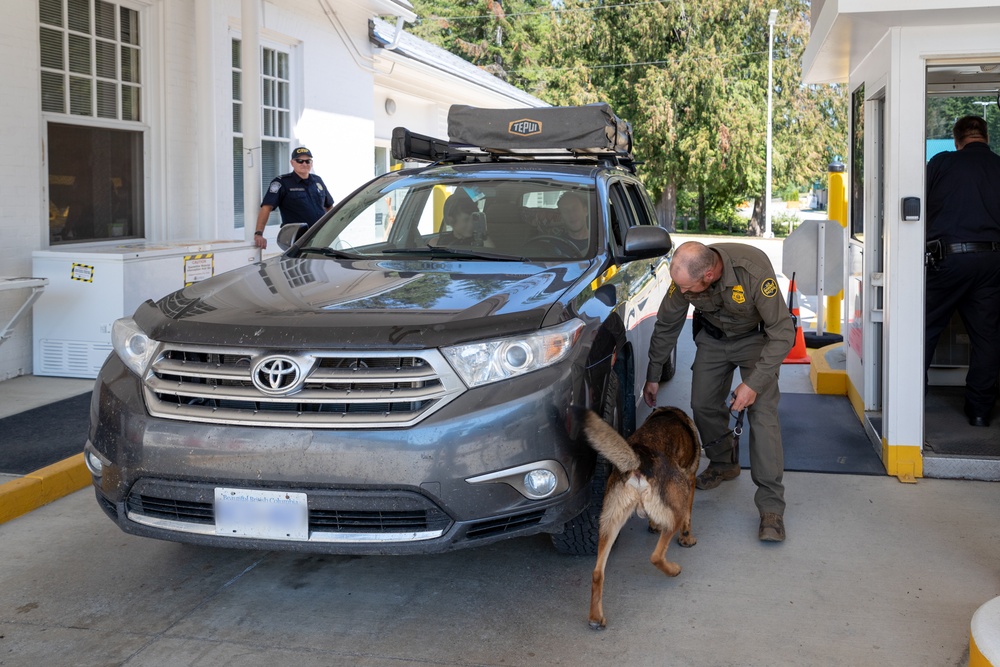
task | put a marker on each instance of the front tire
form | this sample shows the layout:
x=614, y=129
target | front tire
x=581, y=533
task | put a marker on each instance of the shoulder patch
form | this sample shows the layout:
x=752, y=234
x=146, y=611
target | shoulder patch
x=738, y=295
x=275, y=186
x=769, y=288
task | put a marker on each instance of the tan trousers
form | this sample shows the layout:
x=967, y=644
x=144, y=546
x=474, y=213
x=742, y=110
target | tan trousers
x=712, y=381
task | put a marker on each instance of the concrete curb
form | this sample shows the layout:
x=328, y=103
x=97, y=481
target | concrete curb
x=41, y=487
x=824, y=378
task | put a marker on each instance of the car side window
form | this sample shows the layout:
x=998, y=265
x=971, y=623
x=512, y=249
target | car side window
x=643, y=216
x=622, y=216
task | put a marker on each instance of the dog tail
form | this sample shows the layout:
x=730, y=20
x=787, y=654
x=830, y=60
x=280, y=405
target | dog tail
x=609, y=442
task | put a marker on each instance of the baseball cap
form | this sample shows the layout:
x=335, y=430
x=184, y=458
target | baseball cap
x=301, y=151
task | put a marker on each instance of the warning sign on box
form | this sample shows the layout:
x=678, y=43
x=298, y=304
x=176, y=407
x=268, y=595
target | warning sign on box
x=198, y=267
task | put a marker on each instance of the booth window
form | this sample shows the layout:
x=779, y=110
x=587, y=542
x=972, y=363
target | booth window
x=858, y=163
x=275, y=126
x=91, y=100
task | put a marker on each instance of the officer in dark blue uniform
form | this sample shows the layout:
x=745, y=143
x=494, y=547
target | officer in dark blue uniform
x=963, y=249
x=299, y=196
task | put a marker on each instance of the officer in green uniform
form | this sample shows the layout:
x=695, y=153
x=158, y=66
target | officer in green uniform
x=741, y=321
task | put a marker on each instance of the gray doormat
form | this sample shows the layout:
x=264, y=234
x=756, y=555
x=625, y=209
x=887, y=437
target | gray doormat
x=947, y=431
x=821, y=433
x=42, y=436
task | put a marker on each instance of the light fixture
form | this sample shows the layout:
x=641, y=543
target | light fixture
x=390, y=106
x=771, y=18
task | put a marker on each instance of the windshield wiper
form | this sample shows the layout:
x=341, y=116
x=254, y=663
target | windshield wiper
x=328, y=252
x=453, y=253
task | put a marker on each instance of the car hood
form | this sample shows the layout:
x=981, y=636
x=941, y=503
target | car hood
x=300, y=303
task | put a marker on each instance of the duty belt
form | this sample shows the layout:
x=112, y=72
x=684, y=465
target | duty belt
x=971, y=246
x=699, y=322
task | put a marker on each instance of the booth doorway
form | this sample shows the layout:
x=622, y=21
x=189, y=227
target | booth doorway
x=956, y=89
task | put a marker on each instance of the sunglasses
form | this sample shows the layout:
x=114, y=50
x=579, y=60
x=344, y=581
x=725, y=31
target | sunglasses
x=304, y=161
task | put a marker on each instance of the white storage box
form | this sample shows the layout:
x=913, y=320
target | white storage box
x=93, y=284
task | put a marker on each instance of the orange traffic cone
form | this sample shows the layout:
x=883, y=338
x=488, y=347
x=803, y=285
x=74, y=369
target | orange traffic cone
x=798, y=354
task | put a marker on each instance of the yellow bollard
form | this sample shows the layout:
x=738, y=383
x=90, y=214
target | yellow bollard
x=837, y=210
x=984, y=636
x=440, y=195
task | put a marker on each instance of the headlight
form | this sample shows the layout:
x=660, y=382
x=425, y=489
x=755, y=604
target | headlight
x=133, y=346
x=502, y=358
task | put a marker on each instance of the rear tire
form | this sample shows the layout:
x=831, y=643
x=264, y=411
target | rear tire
x=581, y=533
x=669, y=367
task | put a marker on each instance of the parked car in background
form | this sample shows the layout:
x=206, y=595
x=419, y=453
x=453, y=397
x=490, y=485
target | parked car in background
x=390, y=385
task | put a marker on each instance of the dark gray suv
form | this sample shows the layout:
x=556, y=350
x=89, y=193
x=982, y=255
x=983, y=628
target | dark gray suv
x=408, y=376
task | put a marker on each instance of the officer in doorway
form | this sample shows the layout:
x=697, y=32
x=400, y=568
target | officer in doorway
x=963, y=251
x=299, y=196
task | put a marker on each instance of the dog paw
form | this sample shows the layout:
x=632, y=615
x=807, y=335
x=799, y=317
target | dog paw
x=597, y=624
x=687, y=540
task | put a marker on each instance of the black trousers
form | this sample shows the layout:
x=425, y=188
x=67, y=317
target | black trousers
x=970, y=284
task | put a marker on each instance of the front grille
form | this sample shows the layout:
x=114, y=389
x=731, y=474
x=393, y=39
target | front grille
x=379, y=522
x=336, y=390
x=503, y=525
x=168, y=508
x=331, y=513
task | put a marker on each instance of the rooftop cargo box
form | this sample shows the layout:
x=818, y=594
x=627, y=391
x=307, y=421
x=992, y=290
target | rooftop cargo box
x=592, y=128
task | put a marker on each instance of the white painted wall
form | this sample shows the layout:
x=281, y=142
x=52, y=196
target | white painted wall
x=23, y=221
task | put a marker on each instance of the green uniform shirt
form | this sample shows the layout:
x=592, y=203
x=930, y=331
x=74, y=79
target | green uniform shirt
x=746, y=295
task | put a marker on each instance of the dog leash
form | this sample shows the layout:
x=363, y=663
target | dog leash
x=736, y=432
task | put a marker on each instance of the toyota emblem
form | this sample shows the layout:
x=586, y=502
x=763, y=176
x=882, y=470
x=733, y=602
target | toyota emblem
x=277, y=375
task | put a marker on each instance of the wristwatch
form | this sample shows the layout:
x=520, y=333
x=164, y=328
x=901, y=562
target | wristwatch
x=258, y=233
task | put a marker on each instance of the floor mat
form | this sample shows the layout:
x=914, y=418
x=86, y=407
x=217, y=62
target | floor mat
x=821, y=433
x=947, y=431
x=36, y=438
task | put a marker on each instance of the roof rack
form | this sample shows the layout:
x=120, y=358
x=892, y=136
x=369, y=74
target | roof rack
x=589, y=134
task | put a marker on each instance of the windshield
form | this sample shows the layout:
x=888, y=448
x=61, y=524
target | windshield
x=463, y=216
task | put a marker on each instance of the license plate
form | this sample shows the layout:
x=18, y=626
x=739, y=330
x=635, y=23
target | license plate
x=269, y=515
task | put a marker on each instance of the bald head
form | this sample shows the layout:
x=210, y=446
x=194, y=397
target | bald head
x=694, y=266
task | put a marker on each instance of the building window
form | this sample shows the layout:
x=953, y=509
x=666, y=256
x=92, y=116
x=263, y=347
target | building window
x=90, y=69
x=275, y=130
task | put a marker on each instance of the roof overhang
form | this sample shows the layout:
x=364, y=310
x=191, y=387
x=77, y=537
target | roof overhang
x=845, y=31
x=400, y=8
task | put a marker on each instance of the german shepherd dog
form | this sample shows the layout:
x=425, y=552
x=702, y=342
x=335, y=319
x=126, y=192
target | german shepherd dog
x=653, y=474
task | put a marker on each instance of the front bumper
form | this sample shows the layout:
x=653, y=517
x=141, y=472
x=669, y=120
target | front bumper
x=370, y=491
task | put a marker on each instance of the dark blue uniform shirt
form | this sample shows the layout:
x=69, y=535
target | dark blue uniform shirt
x=299, y=200
x=963, y=195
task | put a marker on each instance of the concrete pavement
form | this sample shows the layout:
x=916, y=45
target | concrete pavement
x=874, y=572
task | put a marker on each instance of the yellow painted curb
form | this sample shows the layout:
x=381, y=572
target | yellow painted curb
x=826, y=380
x=41, y=487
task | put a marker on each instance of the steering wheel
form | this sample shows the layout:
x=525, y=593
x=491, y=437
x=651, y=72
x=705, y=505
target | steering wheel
x=560, y=245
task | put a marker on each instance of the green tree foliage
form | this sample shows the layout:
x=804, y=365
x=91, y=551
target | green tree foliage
x=691, y=76
x=943, y=111
x=504, y=37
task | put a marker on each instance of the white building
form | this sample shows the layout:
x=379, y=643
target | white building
x=900, y=60
x=130, y=121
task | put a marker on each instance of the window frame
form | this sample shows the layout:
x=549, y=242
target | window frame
x=273, y=142
x=66, y=117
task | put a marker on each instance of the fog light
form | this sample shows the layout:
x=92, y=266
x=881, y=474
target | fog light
x=540, y=482
x=94, y=464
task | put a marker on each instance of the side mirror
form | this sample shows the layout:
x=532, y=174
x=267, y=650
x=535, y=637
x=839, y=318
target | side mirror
x=289, y=234
x=647, y=241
